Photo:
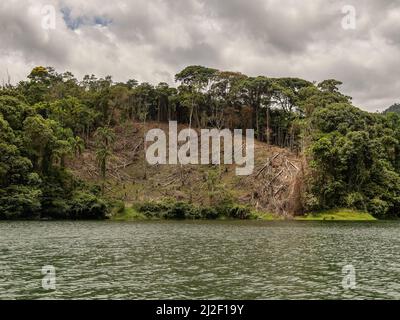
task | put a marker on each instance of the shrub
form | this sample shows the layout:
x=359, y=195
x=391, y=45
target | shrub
x=378, y=207
x=87, y=206
x=209, y=213
x=19, y=202
x=355, y=200
x=55, y=209
x=310, y=202
x=184, y=210
x=239, y=212
x=179, y=210
x=154, y=209
x=119, y=207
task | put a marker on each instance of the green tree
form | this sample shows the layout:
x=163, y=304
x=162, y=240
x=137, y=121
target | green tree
x=105, y=138
x=195, y=79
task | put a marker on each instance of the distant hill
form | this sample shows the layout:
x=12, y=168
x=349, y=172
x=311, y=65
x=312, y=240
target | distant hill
x=394, y=108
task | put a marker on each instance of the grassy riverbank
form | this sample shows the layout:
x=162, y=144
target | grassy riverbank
x=338, y=215
x=329, y=215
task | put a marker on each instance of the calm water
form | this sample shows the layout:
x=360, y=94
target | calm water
x=199, y=260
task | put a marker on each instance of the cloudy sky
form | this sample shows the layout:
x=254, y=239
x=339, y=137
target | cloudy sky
x=151, y=40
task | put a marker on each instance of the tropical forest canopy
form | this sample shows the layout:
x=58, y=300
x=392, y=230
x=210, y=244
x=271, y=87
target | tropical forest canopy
x=352, y=157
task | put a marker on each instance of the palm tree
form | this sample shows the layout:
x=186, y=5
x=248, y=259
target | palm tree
x=102, y=155
x=77, y=145
x=105, y=138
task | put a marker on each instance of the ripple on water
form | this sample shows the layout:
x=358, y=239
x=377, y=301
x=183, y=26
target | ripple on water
x=199, y=260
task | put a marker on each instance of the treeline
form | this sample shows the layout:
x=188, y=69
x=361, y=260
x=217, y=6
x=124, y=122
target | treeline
x=205, y=97
x=353, y=155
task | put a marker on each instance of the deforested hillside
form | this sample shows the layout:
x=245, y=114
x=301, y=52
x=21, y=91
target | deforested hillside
x=274, y=186
x=74, y=149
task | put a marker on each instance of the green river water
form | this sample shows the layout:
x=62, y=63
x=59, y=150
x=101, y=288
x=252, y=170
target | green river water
x=200, y=260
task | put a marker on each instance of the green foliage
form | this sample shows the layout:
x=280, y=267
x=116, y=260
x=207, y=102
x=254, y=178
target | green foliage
x=170, y=209
x=179, y=210
x=84, y=205
x=378, y=207
x=34, y=144
x=19, y=202
x=238, y=212
x=14, y=111
x=207, y=213
x=118, y=207
x=355, y=160
x=155, y=209
x=355, y=200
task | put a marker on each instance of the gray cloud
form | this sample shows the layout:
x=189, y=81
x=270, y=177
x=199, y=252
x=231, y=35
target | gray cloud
x=151, y=40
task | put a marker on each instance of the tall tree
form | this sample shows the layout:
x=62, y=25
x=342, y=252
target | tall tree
x=105, y=138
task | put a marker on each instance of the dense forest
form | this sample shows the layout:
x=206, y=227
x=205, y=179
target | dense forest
x=352, y=156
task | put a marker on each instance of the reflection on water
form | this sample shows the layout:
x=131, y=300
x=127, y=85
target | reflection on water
x=199, y=260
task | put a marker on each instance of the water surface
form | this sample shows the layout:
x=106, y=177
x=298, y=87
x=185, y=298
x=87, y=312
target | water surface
x=200, y=260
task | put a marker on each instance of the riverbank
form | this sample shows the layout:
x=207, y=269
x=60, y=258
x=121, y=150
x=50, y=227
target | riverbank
x=337, y=215
x=132, y=214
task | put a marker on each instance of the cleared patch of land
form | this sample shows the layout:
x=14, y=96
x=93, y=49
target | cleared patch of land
x=271, y=187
